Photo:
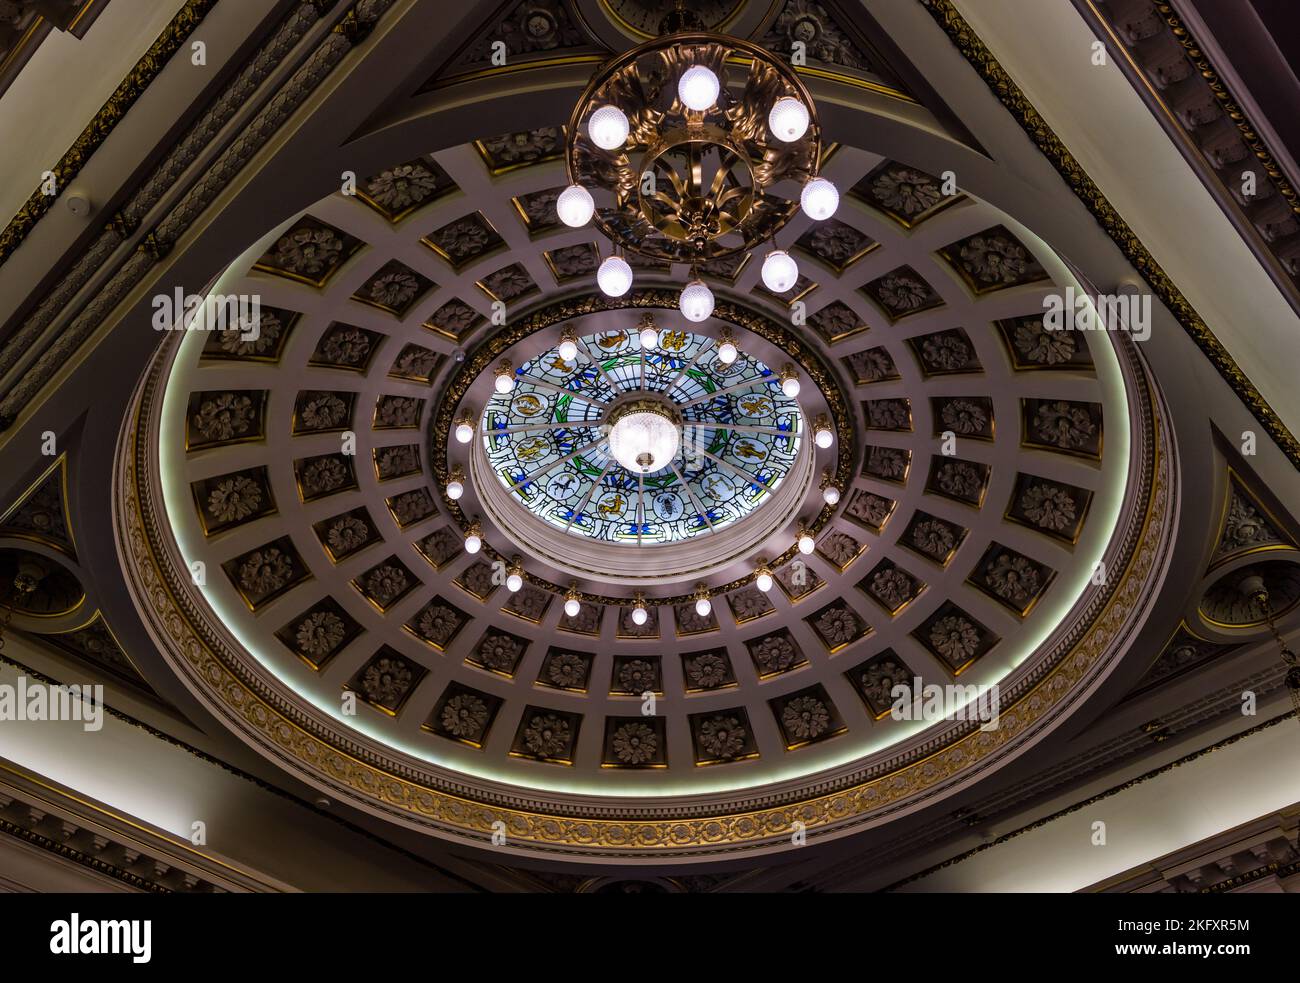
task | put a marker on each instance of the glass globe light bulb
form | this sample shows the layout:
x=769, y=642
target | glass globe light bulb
x=640, y=615
x=464, y=432
x=824, y=437
x=790, y=385
x=473, y=543
x=568, y=349
x=698, y=88
x=831, y=495
x=788, y=119
x=614, y=277
x=573, y=607
x=696, y=301
x=819, y=199
x=608, y=128
x=763, y=581
x=806, y=543
x=703, y=606
x=575, y=206
x=505, y=382
x=728, y=352
x=649, y=338
x=455, y=489
x=780, y=271
x=514, y=583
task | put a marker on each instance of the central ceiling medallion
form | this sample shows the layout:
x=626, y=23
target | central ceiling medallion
x=642, y=437
x=691, y=148
x=644, y=434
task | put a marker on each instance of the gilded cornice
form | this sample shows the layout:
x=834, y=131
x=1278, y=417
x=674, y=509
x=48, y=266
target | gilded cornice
x=1036, y=127
x=175, y=34
x=416, y=795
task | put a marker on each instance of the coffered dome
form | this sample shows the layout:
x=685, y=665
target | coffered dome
x=987, y=469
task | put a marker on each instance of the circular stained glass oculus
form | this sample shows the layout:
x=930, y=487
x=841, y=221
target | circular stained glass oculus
x=642, y=446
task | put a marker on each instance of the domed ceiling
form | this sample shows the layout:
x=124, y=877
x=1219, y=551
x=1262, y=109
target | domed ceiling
x=292, y=488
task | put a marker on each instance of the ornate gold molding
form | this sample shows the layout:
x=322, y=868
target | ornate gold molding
x=450, y=805
x=175, y=34
x=1085, y=189
x=560, y=311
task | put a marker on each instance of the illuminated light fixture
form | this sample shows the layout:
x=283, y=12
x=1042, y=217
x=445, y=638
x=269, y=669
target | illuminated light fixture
x=456, y=483
x=698, y=89
x=575, y=206
x=780, y=271
x=819, y=199
x=696, y=302
x=515, y=576
x=763, y=577
x=788, y=119
x=703, y=606
x=474, y=537
x=649, y=335
x=608, y=128
x=639, y=613
x=644, y=435
x=718, y=158
x=614, y=277
x=727, y=350
x=805, y=541
x=568, y=345
x=830, y=490
x=789, y=380
x=823, y=435
x=465, y=428
x=572, y=605
x=505, y=377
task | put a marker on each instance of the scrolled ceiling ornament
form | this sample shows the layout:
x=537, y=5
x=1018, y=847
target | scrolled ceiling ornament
x=1255, y=589
x=692, y=184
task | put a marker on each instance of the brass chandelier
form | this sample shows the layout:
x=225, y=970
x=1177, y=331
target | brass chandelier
x=694, y=147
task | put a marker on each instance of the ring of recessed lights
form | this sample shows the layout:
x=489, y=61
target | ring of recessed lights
x=383, y=550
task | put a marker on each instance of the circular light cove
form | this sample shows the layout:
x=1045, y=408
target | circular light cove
x=643, y=436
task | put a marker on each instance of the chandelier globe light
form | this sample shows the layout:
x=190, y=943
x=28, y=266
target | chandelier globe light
x=698, y=88
x=805, y=541
x=788, y=119
x=780, y=271
x=819, y=199
x=515, y=576
x=697, y=301
x=608, y=128
x=763, y=577
x=644, y=435
x=639, y=613
x=830, y=490
x=575, y=206
x=614, y=276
